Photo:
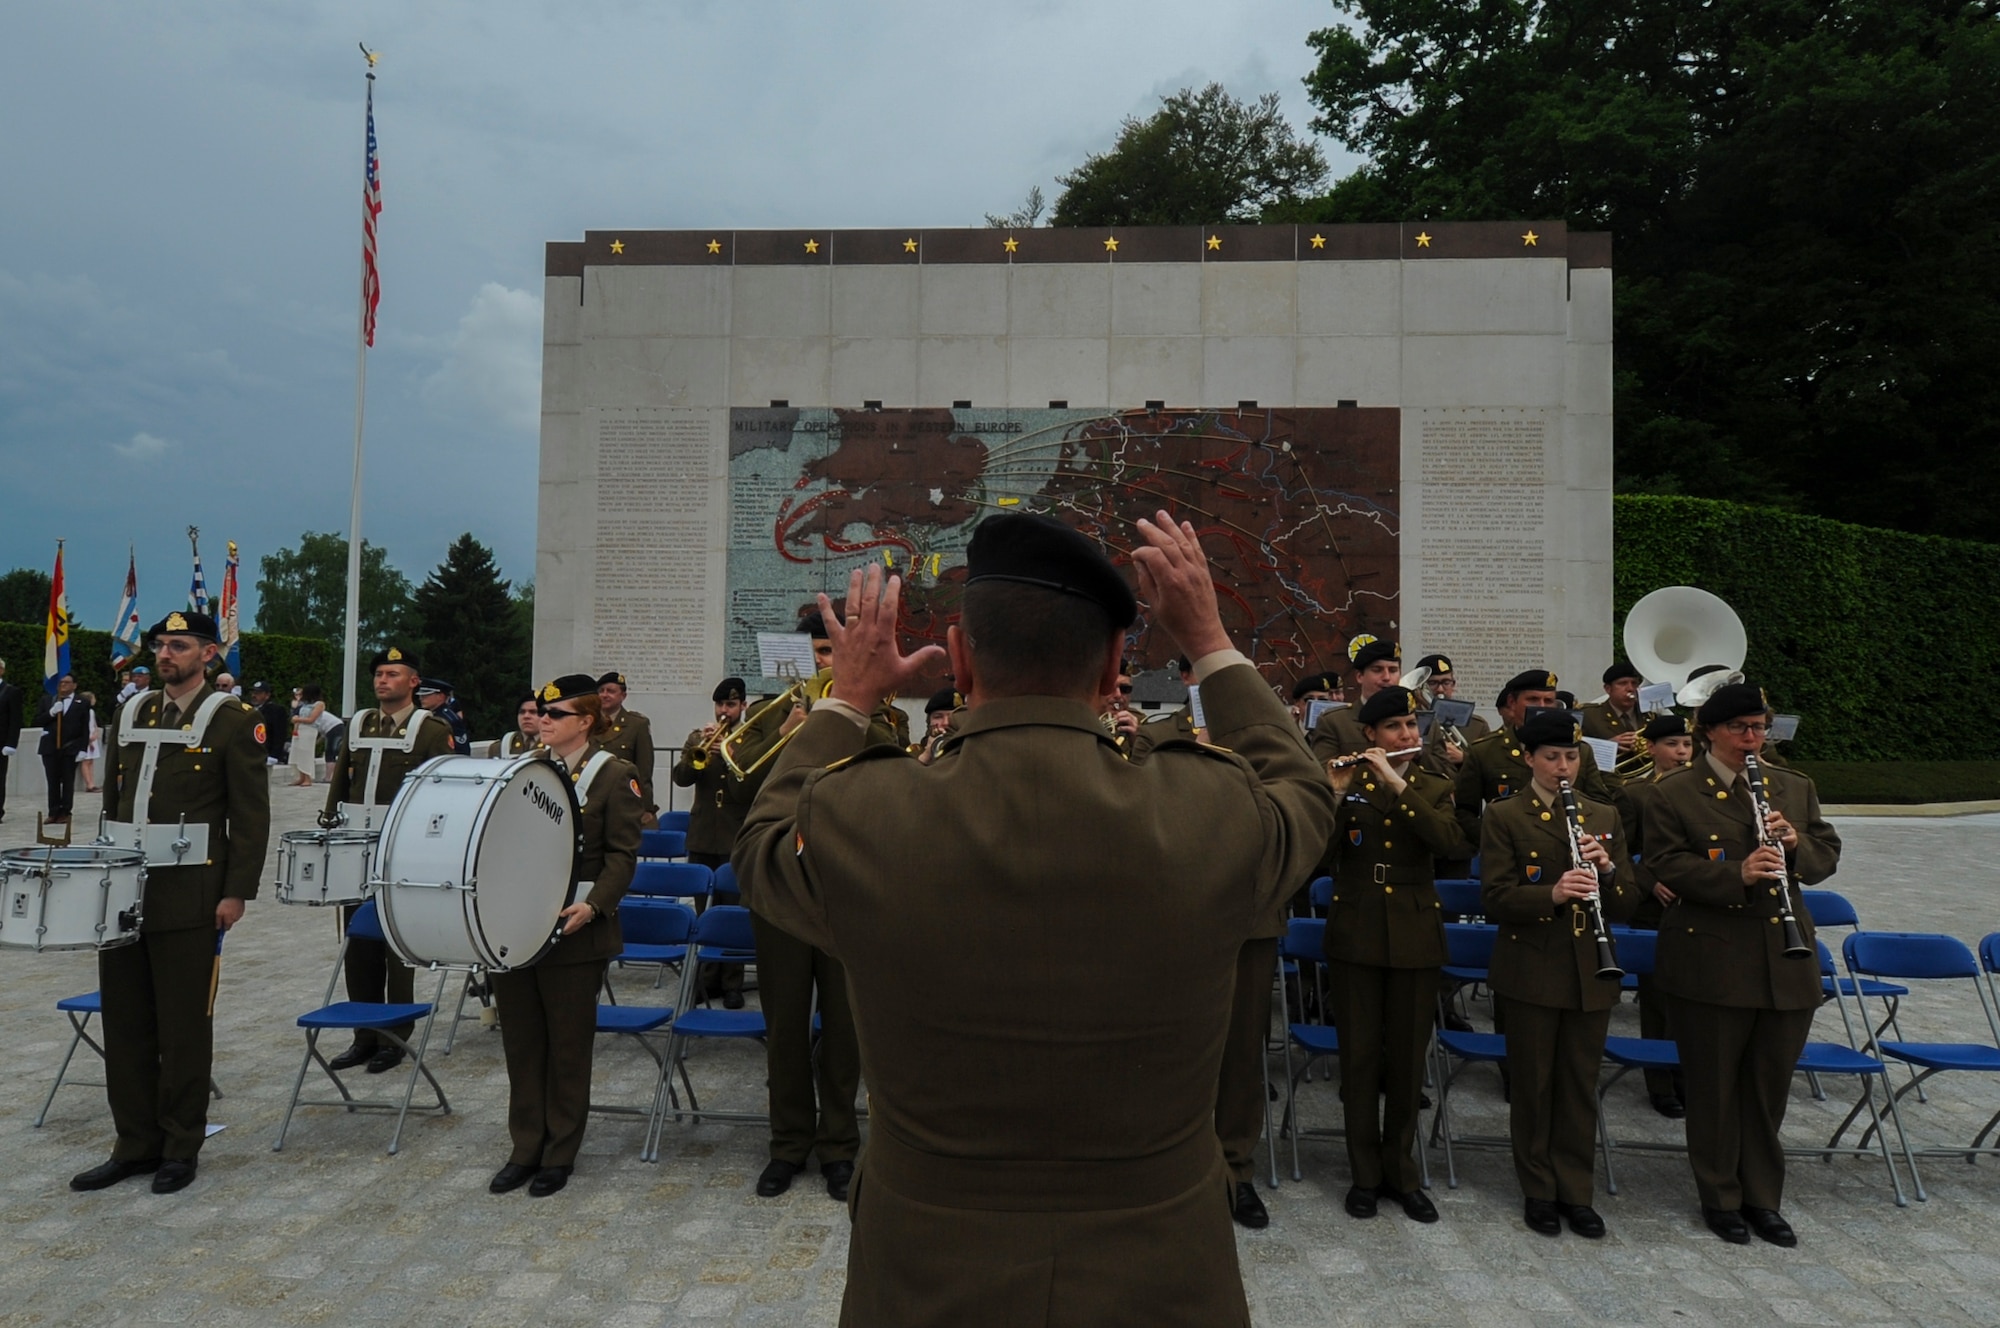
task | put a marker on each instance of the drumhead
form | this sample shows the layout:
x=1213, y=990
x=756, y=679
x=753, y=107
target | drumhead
x=524, y=859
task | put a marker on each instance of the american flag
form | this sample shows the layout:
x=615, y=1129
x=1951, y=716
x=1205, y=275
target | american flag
x=371, y=207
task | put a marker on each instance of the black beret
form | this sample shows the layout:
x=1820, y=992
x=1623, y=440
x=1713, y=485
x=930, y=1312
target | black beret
x=814, y=626
x=1567, y=700
x=1534, y=680
x=432, y=687
x=1314, y=682
x=1035, y=550
x=1550, y=728
x=529, y=698
x=1439, y=665
x=1732, y=702
x=729, y=689
x=1366, y=650
x=395, y=655
x=948, y=699
x=1622, y=669
x=189, y=623
x=611, y=677
x=1387, y=704
x=1664, y=726
x=569, y=687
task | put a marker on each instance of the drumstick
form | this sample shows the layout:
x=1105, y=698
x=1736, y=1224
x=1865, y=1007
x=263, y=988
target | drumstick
x=215, y=973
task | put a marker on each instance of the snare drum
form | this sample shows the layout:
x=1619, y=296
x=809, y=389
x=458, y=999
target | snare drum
x=325, y=866
x=77, y=898
x=477, y=859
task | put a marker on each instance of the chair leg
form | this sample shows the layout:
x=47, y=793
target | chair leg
x=418, y=1067
x=1882, y=1137
x=451, y=1038
x=1812, y=1082
x=298, y=1086
x=63, y=1070
x=1604, y=1140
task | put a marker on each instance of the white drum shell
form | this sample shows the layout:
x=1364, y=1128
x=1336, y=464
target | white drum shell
x=477, y=859
x=319, y=867
x=81, y=898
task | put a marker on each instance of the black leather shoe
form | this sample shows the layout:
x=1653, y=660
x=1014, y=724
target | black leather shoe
x=385, y=1060
x=175, y=1173
x=1417, y=1205
x=1542, y=1217
x=106, y=1174
x=777, y=1178
x=547, y=1181
x=1767, y=1224
x=732, y=1000
x=511, y=1177
x=1360, y=1202
x=1670, y=1106
x=1583, y=1220
x=1248, y=1209
x=353, y=1056
x=1727, y=1224
x=838, y=1176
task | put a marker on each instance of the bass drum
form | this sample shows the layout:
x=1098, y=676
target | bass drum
x=477, y=858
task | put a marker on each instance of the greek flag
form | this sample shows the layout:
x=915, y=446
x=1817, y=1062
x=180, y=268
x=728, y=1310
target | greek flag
x=198, y=589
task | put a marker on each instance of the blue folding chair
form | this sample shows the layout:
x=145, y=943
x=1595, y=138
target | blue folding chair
x=654, y=929
x=1830, y=908
x=1469, y=949
x=1460, y=895
x=655, y=934
x=662, y=843
x=725, y=890
x=80, y=1009
x=721, y=935
x=1320, y=895
x=676, y=821
x=1636, y=951
x=670, y=880
x=1928, y=957
x=1301, y=950
x=381, y=1019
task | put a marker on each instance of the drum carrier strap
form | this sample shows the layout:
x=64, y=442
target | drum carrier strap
x=406, y=743
x=587, y=775
x=152, y=739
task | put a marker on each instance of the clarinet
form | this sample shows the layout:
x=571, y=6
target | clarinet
x=1760, y=807
x=1593, y=907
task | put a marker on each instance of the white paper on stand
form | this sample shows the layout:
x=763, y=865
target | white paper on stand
x=785, y=655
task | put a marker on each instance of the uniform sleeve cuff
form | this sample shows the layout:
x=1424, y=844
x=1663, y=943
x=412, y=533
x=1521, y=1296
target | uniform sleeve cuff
x=1217, y=660
x=844, y=710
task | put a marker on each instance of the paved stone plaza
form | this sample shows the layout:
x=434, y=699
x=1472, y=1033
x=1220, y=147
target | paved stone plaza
x=332, y=1230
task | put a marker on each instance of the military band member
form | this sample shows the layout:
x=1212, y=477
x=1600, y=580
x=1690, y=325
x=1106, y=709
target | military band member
x=1442, y=756
x=1178, y=723
x=1042, y=1144
x=715, y=812
x=1377, y=664
x=1671, y=747
x=386, y=743
x=1384, y=948
x=527, y=734
x=1495, y=768
x=1544, y=970
x=548, y=1010
x=1122, y=722
x=1313, y=687
x=628, y=735
x=436, y=697
x=1616, y=718
x=159, y=991
x=1740, y=1009
x=940, y=722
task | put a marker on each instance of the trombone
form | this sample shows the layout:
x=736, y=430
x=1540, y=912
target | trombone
x=759, y=729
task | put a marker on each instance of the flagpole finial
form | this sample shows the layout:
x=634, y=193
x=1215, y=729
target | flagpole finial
x=370, y=56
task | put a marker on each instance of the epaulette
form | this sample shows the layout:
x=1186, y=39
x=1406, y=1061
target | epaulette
x=880, y=751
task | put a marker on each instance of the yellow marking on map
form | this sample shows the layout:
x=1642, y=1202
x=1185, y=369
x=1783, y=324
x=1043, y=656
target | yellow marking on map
x=1010, y=502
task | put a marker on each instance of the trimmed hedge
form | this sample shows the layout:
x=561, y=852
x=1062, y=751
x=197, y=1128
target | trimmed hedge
x=1875, y=638
x=1904, y=782
x=283, y=661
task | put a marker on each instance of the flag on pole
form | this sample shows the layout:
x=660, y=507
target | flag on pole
x=371, y=208
x=55, y=637
x=125, y=641
x=198, y=588
x=232, y=651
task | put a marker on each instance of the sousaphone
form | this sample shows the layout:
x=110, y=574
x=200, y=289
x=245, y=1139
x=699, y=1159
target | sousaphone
x=1675, y=630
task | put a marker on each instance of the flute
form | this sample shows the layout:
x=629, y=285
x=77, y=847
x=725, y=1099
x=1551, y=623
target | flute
x=1361, y=758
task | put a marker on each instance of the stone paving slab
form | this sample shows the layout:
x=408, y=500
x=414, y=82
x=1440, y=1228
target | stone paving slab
x=333, y=1230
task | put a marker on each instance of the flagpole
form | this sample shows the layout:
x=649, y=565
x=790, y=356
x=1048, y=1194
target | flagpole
x=351, y=645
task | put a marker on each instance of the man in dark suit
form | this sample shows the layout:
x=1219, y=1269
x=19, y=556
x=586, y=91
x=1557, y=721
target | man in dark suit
x=65, y=722
x=10, y=730
x=277, y=724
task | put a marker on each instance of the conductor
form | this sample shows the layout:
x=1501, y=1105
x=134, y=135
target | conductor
x=1043, y=1146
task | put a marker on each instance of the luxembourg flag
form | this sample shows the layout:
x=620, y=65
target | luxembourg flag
x=125, y=636
x=55, y=636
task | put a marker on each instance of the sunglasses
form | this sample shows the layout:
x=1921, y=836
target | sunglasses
x=1125, y=688
x=560, y=714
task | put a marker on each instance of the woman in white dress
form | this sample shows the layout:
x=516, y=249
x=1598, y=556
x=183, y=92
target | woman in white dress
x=88, y=765
x=307, y=707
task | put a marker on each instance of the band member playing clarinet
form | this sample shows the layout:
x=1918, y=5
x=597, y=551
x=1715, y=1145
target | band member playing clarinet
x=1740, y=1006
x=1384, y=946
x=1539, y=883
x=548, y=1011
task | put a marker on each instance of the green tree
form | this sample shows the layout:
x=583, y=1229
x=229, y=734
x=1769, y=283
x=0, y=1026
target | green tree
x=1805, y=200
x=303, y=592
x=1027, y=217
x=1202, y=157
x=24, y=596
x=466, y=621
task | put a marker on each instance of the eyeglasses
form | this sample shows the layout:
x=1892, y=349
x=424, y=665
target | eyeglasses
x=1739, y=728
x=1125, y=687
x=560, y=714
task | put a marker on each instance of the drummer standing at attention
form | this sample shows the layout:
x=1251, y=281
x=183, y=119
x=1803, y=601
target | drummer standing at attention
x=159, y=991
x=548, y=1011
x=628, y=735
x=383, y=737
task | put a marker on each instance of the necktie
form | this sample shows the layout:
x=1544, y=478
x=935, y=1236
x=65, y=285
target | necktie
x=170, y=716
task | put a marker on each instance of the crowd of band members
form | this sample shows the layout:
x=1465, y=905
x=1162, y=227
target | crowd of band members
x=1674, y=850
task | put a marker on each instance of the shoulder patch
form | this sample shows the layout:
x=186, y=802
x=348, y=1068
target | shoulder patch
x=633, y=784
x=261, y=737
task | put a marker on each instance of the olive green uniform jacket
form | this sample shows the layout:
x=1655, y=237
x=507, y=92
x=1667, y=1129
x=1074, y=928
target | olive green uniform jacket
x=1546, y=953
x=1339, y=733
x=1604, y=720
x=1385, y=909
x=1497, y=768
x=350, y=773
x=1042, y=1142
x=716, y=807
x=630, y=738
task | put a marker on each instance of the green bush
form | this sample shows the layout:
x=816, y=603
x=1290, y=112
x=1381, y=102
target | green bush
x=283, y=661
x=1873, y=637
x=1904, y=781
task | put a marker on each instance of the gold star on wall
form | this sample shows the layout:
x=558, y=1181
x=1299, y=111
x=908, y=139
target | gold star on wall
x=910, y=245
x=812, y=246
x=617, y=246
x=1319, y=242
x=715, y=246
x=1215, y=241
x=1011, y=244
x=1423, y=240
x=1529, y=239
x=1110, y=244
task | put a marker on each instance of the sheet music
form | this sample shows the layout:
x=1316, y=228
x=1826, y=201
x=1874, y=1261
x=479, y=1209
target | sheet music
x=785, y=655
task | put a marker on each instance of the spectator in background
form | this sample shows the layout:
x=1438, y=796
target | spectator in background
x=435, y=695
x=10, y=730
x=132, y=682
x=307, y=713
x=277, y=724
x=65, y=723
x=226, y=682
x=87, y=764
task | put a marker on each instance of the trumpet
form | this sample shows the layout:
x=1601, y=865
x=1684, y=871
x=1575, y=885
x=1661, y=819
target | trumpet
x=702, y=755
x=1361, y=758
x=1607, y=955
x=1760, y=808
x=1637, y=763
x=762, y=725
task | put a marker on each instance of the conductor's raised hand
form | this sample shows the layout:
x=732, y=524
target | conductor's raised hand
x=868, y=664
x=1179, y=589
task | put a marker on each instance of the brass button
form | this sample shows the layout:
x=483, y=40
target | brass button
x=1545, y=816
x=1387, y=844
x=1388, y=889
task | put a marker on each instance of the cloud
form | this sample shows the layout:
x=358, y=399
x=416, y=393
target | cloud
x=142, y=447
x=492, y=370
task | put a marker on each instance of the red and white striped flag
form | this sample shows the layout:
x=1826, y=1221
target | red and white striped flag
x=371, y=208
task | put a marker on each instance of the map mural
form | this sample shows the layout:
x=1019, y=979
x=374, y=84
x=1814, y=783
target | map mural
x=1297, y=508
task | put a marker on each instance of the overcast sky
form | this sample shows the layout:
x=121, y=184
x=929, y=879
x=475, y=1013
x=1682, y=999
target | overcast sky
x=180, y=239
